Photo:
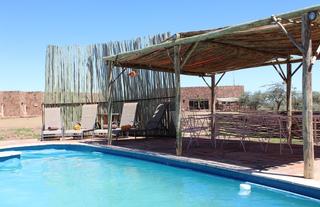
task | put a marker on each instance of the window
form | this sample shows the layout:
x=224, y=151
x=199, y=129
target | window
x=204, y=104
x=199, y=104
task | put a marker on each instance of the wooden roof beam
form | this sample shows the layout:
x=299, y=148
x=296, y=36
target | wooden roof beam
x=169, y=56
x=160, y=69
x=189, y=53
x=216, y=84
x=251, y=49
x=299, y=60
x=280, y=68
x=220, y=78
x=204, y=80
x=296, y=60
x=281, y=74
x=291, y=38
x=299, y=66
x=316, y=55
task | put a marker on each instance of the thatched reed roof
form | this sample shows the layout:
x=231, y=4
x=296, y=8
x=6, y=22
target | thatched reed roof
x=246, y=45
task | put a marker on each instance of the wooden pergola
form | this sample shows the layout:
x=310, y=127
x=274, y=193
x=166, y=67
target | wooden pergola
x=288, y=38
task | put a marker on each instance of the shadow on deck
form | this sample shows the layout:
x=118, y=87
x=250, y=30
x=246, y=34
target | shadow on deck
x=231, y=153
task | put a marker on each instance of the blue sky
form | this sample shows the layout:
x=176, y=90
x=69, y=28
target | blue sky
x=27, y=27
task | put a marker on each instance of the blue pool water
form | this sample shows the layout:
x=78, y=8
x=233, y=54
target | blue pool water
x=60, y=178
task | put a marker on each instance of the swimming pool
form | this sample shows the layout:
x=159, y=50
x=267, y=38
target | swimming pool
x=76, y=176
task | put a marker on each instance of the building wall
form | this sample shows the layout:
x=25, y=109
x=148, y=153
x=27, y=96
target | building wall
x=20, y=104
x=203, y=93
x=24, y=104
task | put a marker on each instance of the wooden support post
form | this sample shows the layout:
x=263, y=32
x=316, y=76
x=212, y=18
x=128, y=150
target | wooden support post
x=177, y=69
x=109, y=95
x=42, y=118
x=308, y=148
x=289, y=101
x=213, y=108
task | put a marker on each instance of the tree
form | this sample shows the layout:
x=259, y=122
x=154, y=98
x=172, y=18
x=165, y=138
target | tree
x=316, y=101
x=244, y=99
x=296, y=100
x=256, y=100
x=276, y=95
x=253, y=101
x=274, y=98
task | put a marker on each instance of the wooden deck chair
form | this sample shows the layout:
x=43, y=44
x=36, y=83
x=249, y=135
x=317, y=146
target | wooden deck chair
x=88, y=119
x=52, y=125
x=127, y=118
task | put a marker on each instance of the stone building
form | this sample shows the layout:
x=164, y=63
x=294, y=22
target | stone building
x=26, y=104
x=199, y=98
x=20, y=104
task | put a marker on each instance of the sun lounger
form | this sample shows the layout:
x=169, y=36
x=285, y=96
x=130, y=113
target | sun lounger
x=128, y=116
x=52, y=124
x=88, y=119
x=155, y=123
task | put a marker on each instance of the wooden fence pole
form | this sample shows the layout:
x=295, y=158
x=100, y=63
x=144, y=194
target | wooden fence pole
x=308, y=151
x=42, y=119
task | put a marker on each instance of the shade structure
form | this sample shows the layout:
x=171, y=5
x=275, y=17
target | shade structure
x=284, y=38
x=252, y=44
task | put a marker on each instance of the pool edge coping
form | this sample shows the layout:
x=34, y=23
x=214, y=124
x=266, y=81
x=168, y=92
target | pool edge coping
x=183, y=162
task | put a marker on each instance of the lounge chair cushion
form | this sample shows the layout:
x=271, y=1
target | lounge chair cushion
x=52, y=132
x=73, y=131
x=52, y=128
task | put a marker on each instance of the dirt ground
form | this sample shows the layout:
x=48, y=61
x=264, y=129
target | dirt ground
x=20, y=128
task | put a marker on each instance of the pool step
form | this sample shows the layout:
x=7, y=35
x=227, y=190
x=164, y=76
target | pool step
x=9, y=155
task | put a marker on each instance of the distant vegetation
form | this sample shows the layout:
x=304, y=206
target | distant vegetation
x=274, y=98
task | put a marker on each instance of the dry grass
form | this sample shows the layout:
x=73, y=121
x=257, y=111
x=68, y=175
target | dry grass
x=19, y=133
x=20, y=128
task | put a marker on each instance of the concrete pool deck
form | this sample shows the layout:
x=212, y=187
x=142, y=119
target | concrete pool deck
x=290, y=172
